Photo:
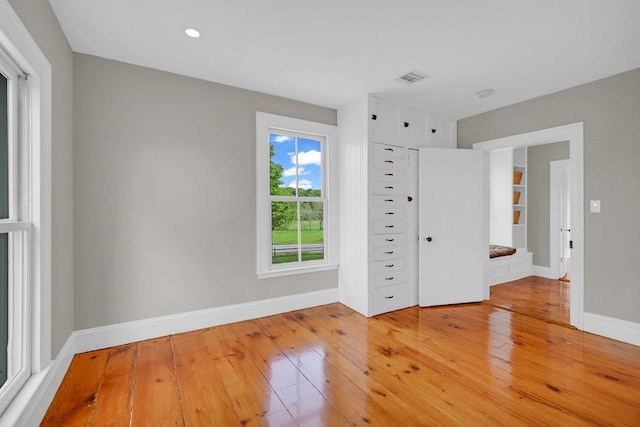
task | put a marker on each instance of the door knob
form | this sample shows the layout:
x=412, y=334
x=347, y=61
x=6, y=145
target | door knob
x=428, y=239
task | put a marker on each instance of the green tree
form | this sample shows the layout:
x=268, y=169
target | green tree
x=282, y=213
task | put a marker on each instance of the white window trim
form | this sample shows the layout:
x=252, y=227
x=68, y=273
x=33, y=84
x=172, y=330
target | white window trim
x=265, y=122
x=24, y=51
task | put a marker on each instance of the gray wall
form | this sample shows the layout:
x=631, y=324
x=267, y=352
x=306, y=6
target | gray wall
x=538, y=198
x=610, y=110
x=165, y=194
x=43, y=26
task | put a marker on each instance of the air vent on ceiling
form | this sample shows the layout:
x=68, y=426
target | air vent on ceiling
x=412, y=77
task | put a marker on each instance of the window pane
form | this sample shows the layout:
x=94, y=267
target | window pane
x=284, y=232
x=4, y=150
x=312, y=230
x=282, y=169
x=309, y=167
x=4, y=305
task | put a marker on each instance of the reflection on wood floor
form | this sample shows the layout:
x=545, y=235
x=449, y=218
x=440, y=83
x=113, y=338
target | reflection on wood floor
x=471, y=364
x=545, y=299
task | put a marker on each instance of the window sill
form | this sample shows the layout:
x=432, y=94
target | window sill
x=297, y=270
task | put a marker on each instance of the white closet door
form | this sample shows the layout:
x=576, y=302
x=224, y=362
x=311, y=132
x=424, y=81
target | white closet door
x=452, y=248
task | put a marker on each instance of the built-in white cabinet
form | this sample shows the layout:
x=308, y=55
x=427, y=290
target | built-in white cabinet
x=409, y=127
x=378, y=201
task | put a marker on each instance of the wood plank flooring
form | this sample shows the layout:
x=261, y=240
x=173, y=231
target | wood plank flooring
x=471, y=364
x=534, y=296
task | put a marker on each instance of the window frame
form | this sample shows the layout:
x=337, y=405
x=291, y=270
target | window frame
x=18, y=227
x=22, y=49
x=268, y=123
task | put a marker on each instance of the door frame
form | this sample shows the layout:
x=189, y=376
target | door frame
x=574, y=133
x=555, y=222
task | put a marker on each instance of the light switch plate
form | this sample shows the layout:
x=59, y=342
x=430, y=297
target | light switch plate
x=594, y=206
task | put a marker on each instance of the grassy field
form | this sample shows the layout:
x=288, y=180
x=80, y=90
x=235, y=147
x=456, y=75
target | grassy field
x=291, y=237
x=311, y=233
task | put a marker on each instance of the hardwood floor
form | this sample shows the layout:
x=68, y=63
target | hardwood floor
x=545, y=299
x=457, y=365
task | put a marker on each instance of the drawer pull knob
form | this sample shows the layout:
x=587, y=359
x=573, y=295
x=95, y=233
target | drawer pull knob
x=388, y=252
x=374, y=117
x=388, y=297
x=388, y=161
x=389, y=265
x=388, y=278
x=406, y=124
x=389, y=240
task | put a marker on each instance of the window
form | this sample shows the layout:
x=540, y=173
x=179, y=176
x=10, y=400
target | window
x=15, y=367
x=297, y=212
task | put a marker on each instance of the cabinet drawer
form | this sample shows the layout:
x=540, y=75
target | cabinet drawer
x=390, y=298
x=381, y=212
x=385, y=267
x=388, y=175
x=390, y=151
x=388, y=240
x=390, y=188
x=389, y=278
x=389, y=163
x=388, y=226
x=387, y=252
x=389, y=201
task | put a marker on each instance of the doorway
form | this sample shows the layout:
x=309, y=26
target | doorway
x=574, y=134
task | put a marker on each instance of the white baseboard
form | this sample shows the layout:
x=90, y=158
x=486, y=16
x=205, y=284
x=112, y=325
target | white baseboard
x=610, y=327
x=31, y=404
x=543, y=272
x=139, y=330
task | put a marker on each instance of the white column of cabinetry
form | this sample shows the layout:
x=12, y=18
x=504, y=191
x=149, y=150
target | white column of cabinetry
x=388, y=183
x=375, y=273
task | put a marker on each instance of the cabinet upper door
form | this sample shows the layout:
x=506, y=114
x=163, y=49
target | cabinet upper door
x=453, y=248
x=413, y=127
x=383, y=117
x=441, y=132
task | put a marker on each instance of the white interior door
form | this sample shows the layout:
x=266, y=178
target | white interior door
x=452, y=219
x=560, y=216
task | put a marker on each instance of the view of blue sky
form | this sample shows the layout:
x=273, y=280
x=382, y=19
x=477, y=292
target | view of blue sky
x=309, y=160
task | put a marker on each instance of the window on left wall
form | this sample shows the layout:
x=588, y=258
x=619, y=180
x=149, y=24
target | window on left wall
x=295, y=195
x=15, y=229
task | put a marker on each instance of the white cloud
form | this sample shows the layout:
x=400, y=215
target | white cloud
x=311, y=157
x=292, y=172
x=283, y=138
x=302, y=183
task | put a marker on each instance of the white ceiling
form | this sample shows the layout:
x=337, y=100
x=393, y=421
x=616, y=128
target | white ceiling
x=330, y=52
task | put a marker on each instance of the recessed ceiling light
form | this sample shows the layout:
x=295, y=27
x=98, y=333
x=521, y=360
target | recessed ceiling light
x=192, y=32
x=485, y=93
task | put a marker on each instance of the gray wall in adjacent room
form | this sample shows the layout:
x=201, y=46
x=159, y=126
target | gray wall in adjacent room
x=165, y=194
x=42, y=24
x=610, y=110
x=538, y=198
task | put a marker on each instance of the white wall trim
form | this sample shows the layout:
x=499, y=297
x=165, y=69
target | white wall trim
x=545, y=272
x=139, y=330
x=574, y=133
x=31, y=404
x=610, y=327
